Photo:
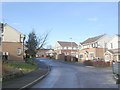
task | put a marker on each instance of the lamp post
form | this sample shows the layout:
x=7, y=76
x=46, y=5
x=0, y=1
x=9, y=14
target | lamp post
x=71, y=49
x=22, y=37
x=78, y=52
x=1, y=39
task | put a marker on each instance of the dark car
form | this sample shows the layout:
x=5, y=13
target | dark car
x=116, y=71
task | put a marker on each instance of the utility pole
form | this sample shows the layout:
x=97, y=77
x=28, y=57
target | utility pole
x=71, y=49
x=78, y=53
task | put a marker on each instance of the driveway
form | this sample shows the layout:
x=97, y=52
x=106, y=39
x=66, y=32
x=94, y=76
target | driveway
x=64, y=75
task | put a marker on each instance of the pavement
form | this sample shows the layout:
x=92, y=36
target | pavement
x=29, y=79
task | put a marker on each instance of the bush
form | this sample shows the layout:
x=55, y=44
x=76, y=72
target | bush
x=88, y=63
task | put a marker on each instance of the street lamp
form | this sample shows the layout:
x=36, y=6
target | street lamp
x=78, y=51
x=71, y=49
x=22, y=37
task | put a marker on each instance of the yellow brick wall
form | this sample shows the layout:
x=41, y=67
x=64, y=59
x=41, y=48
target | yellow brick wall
x=12, y=49
x=98, y=52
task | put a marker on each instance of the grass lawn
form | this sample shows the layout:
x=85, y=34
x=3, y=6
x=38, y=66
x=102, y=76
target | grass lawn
x=18, y=66
x=24, y=67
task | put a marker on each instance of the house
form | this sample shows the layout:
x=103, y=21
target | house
x=113, y=52
x=45, y=52
x=93, y=48
x=66, y=48
x=12, y=43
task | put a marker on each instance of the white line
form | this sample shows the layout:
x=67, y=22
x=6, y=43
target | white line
x=36, y=79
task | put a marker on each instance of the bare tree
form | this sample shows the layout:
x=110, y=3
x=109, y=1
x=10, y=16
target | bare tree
x=49, y=47
x=33, y=43
x=42, y=40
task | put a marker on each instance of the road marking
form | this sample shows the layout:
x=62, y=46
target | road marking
x=36, y=79
x=90, y=66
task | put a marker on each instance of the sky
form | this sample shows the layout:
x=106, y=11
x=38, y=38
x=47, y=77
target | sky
x=64, y=20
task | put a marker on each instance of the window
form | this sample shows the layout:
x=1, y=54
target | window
x=19, y=51
x=91, y=55
x=88, y=46
x=68, y=53
x=111, y=45
x=105, y=45
x=65, y=47
x=69, y=48
x=118, y=57
x=1, y=27
x=118, y=44
x=96, y=44
x=81, y=56
x=92, y=45
x=74, y=48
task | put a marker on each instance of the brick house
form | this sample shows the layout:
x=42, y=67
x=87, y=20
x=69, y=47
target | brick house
x=93, y=48
x=113, y=52
x=66, y=48
x=45, y=52
x=12, y=43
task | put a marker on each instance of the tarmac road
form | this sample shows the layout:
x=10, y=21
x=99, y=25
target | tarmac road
x=64, y=75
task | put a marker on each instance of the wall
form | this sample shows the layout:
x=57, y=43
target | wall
x=97, y=52
x=114, y=42
x=100, y=52
x=60, y=57
x=12, y=48
x=103, y=40
x=10, y=34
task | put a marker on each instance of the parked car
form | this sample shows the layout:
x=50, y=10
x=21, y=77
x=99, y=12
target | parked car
x=116, y=71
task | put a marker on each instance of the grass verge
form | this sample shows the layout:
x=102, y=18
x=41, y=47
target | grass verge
x=13, y=70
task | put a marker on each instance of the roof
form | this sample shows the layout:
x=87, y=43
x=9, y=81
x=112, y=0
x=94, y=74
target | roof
x=43, y=49
x=93, y=39
x=114, y=51
x=66, y=44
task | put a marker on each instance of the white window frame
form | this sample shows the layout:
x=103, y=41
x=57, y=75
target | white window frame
x=19, y=51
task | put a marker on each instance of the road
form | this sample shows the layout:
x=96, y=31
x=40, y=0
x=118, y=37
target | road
x=64, y=75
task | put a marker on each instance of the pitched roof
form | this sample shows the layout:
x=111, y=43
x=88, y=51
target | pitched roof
x=67, y=44
x=93, y=39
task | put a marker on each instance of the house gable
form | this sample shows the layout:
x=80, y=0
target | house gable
x=114, y=43
x=98, y=41
x=57, y=46
x=11, y=35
